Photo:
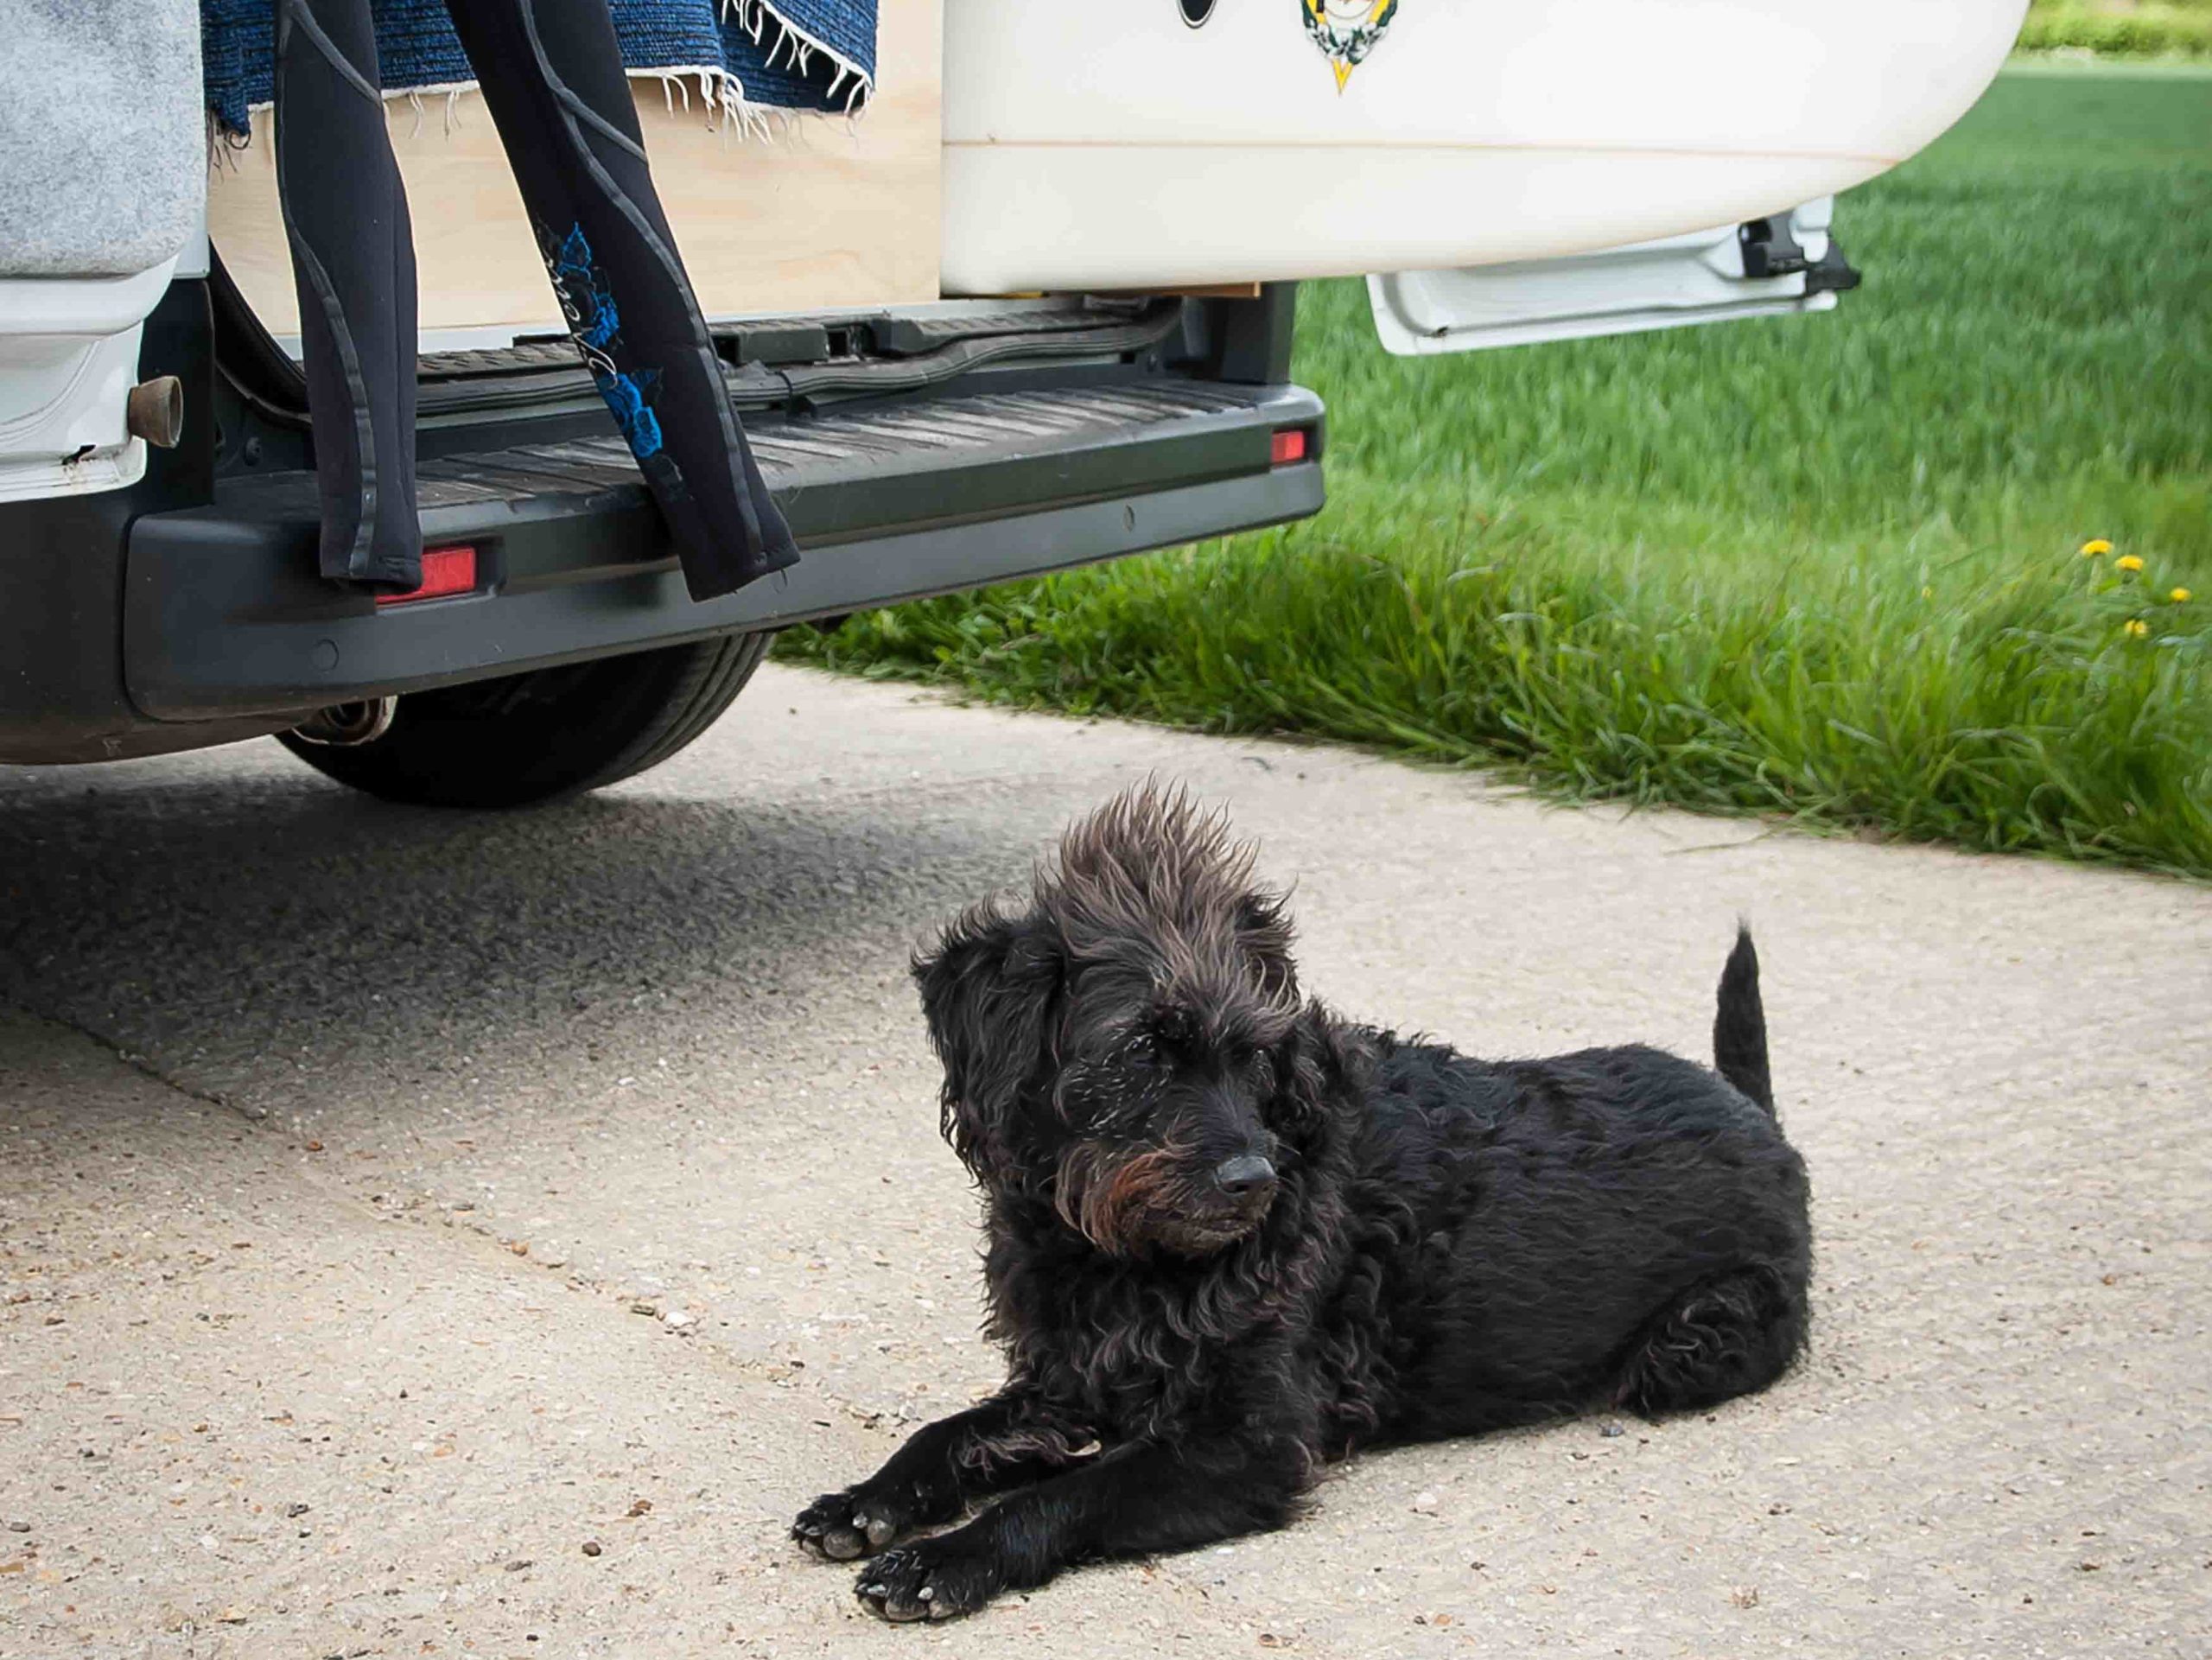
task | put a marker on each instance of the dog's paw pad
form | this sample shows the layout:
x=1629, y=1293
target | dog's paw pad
x=916, y=1584
x=833, y=1527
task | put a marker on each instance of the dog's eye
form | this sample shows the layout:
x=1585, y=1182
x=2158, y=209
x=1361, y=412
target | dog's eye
x=1176, y=1028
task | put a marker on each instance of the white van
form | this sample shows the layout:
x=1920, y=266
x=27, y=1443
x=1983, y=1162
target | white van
x=1030, y=305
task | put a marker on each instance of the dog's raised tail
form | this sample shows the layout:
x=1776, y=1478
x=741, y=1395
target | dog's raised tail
x=1739, y=1024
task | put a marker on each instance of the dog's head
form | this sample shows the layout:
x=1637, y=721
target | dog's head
x=1132, y=1046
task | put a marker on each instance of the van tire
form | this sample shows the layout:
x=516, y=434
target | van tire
x=524, y=739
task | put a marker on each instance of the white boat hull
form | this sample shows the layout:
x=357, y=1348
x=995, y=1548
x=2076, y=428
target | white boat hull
x=1111, y=146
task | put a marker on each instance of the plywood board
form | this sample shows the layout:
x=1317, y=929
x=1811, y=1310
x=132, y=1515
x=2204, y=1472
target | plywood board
x=824, y=213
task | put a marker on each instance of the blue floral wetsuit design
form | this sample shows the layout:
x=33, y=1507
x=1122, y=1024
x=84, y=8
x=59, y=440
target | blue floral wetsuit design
x=595, y=325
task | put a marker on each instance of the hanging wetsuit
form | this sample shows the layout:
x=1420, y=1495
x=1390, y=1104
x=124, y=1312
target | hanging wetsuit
x=552, y=78
x=353, y=264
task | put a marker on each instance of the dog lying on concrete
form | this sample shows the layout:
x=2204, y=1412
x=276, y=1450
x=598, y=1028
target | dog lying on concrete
x=1232, y=1237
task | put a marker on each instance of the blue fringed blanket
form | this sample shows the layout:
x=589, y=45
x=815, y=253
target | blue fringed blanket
x=795, y=54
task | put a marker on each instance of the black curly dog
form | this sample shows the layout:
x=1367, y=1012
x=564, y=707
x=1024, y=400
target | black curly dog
x=1232, y=1237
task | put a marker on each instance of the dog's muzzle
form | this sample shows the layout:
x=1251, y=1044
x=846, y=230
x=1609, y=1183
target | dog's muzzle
x=1243, y=1188
x=1160, y=1197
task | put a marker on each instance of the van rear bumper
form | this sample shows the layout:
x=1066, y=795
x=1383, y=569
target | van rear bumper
x=224, y=615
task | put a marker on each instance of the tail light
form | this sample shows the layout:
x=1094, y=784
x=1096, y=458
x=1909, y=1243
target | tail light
x=446, y=571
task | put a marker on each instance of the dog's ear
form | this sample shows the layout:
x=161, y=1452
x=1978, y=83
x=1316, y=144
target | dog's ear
x=988, y=991
x=1320, y=1071
x=1264, y=933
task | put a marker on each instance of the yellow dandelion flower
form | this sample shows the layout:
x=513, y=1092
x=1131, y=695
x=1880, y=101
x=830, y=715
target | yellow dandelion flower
x=2095, y=549
x=2136, y=628
x=2129, y=561
x=2180, y=596
x=1927, y=592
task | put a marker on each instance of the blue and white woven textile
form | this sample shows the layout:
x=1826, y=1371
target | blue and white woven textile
x=747, y=56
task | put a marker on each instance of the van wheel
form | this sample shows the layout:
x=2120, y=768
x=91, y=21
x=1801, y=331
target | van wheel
x=527, y=738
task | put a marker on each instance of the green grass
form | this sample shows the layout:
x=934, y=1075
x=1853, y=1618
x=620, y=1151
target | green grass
x=1824, y=567
x=2125, y=29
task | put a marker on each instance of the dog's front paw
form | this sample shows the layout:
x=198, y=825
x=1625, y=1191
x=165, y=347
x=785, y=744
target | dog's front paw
x=926, y=1581
x=846, y=1526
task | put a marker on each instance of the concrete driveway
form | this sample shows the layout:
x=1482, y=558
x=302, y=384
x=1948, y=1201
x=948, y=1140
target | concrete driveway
x=439, y=1235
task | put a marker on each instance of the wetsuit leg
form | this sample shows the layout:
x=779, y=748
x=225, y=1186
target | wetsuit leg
x=552, y=76
x=354, y=261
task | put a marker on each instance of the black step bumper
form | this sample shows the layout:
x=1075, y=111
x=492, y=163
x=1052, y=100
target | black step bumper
x=224, y=616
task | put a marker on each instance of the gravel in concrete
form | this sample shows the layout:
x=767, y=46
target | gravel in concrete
x=478, y=1235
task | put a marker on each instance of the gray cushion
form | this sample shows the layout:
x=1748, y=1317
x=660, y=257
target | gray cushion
x=105, y=142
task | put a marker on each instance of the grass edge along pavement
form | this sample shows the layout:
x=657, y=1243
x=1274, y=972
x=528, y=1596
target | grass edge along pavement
x=2145, y=29
x=1828, y=568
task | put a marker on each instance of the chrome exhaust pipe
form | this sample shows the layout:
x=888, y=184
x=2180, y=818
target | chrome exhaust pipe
x=348, y=726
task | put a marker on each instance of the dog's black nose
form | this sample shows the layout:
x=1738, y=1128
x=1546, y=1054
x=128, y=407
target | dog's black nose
x=1245, y=1175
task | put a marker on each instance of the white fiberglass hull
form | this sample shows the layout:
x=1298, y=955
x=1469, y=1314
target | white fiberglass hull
x=1115, y=146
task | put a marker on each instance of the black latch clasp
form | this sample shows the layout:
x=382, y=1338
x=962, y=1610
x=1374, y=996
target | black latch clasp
x=1771, y=249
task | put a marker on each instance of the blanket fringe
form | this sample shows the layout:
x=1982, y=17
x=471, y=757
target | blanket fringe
x=721, y=90
x=798, y=49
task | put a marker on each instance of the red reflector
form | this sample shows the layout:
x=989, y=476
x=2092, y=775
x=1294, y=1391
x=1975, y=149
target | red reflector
x=445, y=571
x=1289, y=446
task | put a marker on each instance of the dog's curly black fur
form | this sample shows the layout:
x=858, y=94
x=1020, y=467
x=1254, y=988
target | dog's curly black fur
x=1232, y=1237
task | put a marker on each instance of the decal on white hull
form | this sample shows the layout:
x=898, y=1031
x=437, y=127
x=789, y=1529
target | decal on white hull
x=1347, y=30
